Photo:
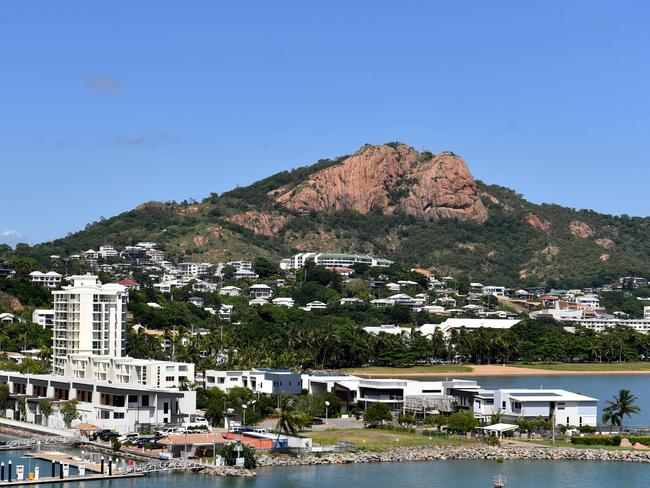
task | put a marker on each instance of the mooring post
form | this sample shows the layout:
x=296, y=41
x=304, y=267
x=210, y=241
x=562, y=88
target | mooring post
x=53, y=469
x=102, y=468
x=61, y=470
x=2, y=471
x=110, y=467
x=9, y=472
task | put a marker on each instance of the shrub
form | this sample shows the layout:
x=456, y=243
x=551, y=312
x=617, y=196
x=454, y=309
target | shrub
x=597, y=440
x=117, y=445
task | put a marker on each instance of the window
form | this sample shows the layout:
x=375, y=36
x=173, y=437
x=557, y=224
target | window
x=145, y=400
x=133, y=398
x=165, y=408
x=118, y=415
x=170, y=369
x=169, y=378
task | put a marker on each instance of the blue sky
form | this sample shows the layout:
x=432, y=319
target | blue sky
x=105, y=105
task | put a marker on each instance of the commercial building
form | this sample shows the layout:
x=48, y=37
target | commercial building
x=90, y=318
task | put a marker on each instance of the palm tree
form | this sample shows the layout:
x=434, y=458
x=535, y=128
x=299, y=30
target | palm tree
x=621, y=406
x=290, y=420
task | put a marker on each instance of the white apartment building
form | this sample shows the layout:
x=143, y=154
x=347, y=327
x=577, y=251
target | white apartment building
x=193, y=270
x=449, y=325
x=335, y=260
x=262, y=380
x=43, y=317
x=116, y=406
x=601, y=324
x=388, y=329
x=107, y=252
x=147, y=372
x=51, y=279
x=90, y=318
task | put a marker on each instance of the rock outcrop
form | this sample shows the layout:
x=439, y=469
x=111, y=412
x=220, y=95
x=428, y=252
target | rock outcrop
x=539, y=224
x=262, y=223
x=581, y=229
x=392, y=178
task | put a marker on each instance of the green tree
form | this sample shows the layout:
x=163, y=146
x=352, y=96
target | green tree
x=4, y=397
x=69, y=412
x=232, y=451
x=265, y=268
x=377, y=414
x=45, y=407
x=621, y=406
x=462, y=422
x=290, y=420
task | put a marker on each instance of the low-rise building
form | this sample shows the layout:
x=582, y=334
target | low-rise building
x=51, y=279
x=230, y=291
x=108, y=405
x=259, y=380
x=261, y=291
x=43, y=317
x=146, y=372
x=388, y=329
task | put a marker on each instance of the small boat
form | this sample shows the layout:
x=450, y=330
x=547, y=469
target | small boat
x=499, y=482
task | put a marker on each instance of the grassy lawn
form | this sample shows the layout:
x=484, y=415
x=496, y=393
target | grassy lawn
x=633, y=366
x=439, y=369
x=374, y=439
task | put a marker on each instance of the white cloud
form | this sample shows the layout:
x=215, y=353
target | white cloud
x=11, y=237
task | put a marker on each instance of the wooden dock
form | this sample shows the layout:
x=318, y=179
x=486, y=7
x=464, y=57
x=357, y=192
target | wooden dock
x=63, y=458
x=70, y=479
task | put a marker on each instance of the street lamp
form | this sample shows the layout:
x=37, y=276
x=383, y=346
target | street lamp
x=327, y=406
x=253, y=403
x=244, y=406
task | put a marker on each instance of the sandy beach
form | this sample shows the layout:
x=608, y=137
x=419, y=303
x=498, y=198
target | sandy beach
x=497, y=370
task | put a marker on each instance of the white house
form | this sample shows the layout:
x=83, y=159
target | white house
x=51, y=279
x=388, y=329
x=497, y=291
x=261, y=291
x=565, y=407
x=315, y=305
x=43, y=317
x=283, y=302
x=225, y=312
x=230, y=291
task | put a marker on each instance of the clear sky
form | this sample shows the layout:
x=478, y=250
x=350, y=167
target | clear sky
x=105, y=105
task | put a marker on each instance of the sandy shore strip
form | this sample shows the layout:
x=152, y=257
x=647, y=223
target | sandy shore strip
x=494, y=370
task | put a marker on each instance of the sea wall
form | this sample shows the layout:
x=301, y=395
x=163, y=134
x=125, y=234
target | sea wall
x=408, y=454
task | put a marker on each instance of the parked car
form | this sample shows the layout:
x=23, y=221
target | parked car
x=128, y=437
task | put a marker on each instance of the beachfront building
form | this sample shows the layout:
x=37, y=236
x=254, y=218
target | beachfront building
x=388, y=329
x=107, y=405
x=259, y=380
x=564, y=407
x=89, y=318
x=147, y=372
x=416, y=397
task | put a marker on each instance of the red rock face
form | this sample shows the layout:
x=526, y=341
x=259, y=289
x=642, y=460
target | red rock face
x=539, y=224
x=262, y=223
x=392, y=178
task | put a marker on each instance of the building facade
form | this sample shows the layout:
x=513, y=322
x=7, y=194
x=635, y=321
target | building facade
x=89, y=318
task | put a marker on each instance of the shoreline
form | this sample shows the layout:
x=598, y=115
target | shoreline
x=457, y=453
x=497, y=370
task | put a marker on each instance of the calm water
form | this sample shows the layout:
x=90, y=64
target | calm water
x=603, y=387
x=447, y=474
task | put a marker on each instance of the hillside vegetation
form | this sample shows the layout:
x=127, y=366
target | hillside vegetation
x=519, y=243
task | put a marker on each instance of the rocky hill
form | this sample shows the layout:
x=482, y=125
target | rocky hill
x=390, y=200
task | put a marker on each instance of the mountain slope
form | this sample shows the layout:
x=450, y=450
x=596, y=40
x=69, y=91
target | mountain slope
x=392, y=201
